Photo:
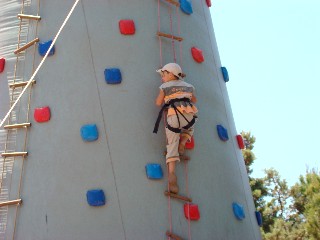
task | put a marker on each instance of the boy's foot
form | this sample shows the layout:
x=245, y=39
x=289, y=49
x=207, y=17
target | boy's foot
x=173, y=186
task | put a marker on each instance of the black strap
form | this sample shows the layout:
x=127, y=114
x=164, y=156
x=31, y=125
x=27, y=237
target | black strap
x=172, y=129
x=190, y=124
x=178, y=130
x=156, y=125
x=171, y=103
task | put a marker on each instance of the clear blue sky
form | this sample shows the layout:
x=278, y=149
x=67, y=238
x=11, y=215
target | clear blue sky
x=272, y=52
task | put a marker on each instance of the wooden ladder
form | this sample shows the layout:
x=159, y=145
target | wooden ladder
x=160, y=34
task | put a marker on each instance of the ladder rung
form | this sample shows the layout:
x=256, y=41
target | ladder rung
x=173, y=2
x=171, y=235
x=20, y=84
x=183, y=198
x=14, y=154
x=29, y=44
x=161, y=34
x=14, y=126
x=32, y=17
x=12, y=202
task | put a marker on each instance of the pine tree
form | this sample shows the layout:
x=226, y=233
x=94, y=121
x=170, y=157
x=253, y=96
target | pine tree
x=306, y=196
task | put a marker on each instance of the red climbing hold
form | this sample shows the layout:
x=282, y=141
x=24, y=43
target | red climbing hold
x=197, y=54
x=209, y=3
x=240, y=142
x=42, y=114
x=2, y=64
x=127, y=27
x=190, y=144
x=191, y=211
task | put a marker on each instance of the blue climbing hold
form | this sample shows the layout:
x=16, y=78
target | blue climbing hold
x=225, y=74
x=259, y=218
x=89, y=132
x=154, y=171
x=96, y=197
x=44, y=47
x=186, y=6
x=112, y=75
x=222, y=133
x=238, y=211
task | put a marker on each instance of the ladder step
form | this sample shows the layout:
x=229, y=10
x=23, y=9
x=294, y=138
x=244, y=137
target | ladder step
x=173, y=2
x=174, y=236
x=14, y=154
x=161, y=34
x=15, y=126
x=29, y=44
x=183, y=198
x=32, y=17
x=12, y=202
x=21, y=84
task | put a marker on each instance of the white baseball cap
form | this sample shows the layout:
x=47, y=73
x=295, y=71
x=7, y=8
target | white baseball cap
x=174, y=68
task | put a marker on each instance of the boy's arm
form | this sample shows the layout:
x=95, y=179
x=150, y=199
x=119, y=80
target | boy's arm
x=160, y=98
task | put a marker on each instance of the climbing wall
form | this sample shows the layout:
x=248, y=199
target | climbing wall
x=92, y=168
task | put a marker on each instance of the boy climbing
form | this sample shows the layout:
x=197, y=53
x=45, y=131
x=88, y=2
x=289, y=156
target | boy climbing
x=178, y=98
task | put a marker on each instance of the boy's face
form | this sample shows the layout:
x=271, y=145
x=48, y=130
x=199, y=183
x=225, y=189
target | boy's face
x=167, y=76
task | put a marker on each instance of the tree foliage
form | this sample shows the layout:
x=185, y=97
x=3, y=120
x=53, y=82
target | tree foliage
x=291, y=213
x=306, y=196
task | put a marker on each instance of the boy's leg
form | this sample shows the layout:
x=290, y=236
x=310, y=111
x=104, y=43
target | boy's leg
x=172, y=141
x=172, y=178
x=172, y=154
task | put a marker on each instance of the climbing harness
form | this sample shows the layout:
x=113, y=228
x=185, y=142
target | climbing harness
x=171, y=103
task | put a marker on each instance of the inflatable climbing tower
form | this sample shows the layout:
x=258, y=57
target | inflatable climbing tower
x=79, y=159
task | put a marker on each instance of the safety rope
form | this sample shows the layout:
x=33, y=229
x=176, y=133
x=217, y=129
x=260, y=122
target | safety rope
x=172, y=39
x=188, y=195
x=179, y=33
x=159, y=37
x=161, y=62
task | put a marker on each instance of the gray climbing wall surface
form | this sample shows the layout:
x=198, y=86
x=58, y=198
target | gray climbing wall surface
x=61, y=167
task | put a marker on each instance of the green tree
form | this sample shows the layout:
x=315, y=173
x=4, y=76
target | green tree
x=279, y=192
x=306, y=195
x=256, y=184
x=287, y=213
x=247, y=153
x=285, y=230
x=282, y=220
